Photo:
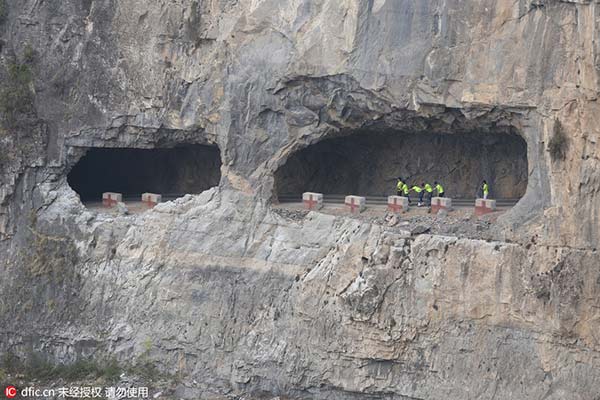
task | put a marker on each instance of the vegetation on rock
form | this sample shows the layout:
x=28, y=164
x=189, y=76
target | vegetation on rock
x=16, y=97
x=37, y=367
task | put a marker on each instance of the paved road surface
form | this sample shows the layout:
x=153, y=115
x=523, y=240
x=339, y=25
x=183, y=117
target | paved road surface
x=382, y=200
x=134, y=204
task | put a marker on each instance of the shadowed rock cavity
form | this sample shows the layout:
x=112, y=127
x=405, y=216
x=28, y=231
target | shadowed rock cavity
x=179, y=170
x=368, y=163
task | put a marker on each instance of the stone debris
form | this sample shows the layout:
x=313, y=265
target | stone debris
x=419, y=229
x=122, y=208
x=290, y=214
x=391, y=219
x=458, y=222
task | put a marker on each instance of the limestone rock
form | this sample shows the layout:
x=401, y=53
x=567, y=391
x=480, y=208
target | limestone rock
x=237, y=300
x=122, y=208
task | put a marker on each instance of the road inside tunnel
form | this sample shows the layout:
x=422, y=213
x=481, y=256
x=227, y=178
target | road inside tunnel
x=178, y=170
x=368, y=164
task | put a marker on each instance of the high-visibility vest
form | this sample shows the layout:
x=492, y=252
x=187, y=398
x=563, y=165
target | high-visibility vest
x=439, y=188
x=399, y=185
x=486, y=188
x=417, y=189
x=405, y=188
x=428, y=188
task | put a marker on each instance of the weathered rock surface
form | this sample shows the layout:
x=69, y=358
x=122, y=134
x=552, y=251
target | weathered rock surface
x=320, y=307
x=223, y=291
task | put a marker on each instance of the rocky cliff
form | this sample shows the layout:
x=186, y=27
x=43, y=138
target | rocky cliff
x=236, y=298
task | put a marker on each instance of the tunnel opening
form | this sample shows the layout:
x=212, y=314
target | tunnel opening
x=171, y=172
x=367, y=163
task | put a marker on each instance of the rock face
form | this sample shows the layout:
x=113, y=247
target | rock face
x=235, y=298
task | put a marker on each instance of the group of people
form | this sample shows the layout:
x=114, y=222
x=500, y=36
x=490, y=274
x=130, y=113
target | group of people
x=403, y=189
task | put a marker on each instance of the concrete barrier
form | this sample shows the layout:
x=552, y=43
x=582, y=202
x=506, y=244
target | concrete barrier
x=397, y=204
x=312, y=200
x=110, y=199
x=151, y=199
x=355, y=204
x=484, y=206
x=440, y=203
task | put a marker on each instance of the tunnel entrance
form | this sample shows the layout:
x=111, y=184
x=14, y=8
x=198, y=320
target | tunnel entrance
x=168, y=171
x=367, y=163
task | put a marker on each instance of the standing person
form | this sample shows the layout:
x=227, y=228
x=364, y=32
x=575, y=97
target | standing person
x=420, y=192
x=406, y=192
x=439, y=188
x=429, y=191
x=485, y=188
x=399, y=187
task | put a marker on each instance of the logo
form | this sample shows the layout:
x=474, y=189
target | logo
x=10, y=392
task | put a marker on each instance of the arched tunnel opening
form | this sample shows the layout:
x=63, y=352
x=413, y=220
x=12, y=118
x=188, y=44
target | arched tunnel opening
x=367, y=163
x=172, y=172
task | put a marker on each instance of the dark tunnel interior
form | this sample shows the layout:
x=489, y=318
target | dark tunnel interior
x=168, y=171
x=368, y=163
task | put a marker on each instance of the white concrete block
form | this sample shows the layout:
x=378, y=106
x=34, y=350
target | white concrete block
x=312, y=200
x=110, y=199
x=440, y=203
x=355, y=204
x=151, y=199
x=397, y=203
x=484, y=206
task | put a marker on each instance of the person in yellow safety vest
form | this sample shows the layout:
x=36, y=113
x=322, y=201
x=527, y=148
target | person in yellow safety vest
x=399, y=186
x=406, y=192
x=485, y=188
x=439, y=188
x=429, y=191
x=420, y=192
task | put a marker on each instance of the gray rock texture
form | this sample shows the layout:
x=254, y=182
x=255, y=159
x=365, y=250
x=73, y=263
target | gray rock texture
x=237, y=299
x=369, y=163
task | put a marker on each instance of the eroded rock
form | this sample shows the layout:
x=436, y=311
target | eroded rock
x=236, y=299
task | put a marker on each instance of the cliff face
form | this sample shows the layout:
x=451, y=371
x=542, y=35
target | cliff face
x=236, y=297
